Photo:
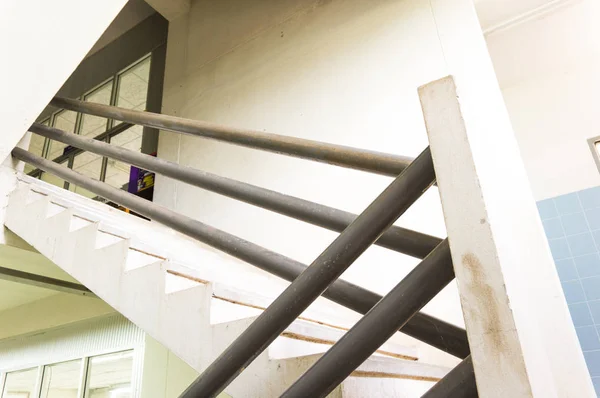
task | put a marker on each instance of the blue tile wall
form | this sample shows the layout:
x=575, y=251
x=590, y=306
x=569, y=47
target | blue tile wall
x=572, y=226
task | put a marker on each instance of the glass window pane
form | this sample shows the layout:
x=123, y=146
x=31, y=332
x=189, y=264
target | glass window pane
x=65, y=121
x=20, y=384
x=36, y=146
x=91, y=126
x=133, y=86
x=52, y=179
x=88, y=164
x=117, y=173
x=61, y=380
x=110, y=376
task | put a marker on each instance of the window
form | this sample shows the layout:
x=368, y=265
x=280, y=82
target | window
x=20, y=384
x=110, y=376
x=127, y=89
x=105, y=376
x=91, y=126
x=61, y=380
x=132, y=93
x=64, y=120
x=594, y=144
x=133, y=86
x=37, y=146
x=88, y=163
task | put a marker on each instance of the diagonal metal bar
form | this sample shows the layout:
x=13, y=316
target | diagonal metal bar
x=336, y=258
x=428, y=329
x=377, y=326
x=359, y=159
x=458, y=383
x=13, y=275
x=395, y=238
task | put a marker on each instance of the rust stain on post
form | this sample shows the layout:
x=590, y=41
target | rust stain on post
x=489, y=318
x=500, y=337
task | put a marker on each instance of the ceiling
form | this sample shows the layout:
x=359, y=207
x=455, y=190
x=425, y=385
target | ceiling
x=494, y=13
x=14, y=294
x=134, y=12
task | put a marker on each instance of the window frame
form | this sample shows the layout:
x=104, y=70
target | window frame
x=115, y=79
x=37, y=382
x=46, y=366
x=84, y=374
x=595, y=152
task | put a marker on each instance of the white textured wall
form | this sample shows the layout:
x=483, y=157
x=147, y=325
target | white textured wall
x=342, y=71
x=42, y=43
x=164, y=374
x=548, y=70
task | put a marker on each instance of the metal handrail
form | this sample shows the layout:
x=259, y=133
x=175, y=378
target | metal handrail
x=395, y=238
x=324, y=270
x=398, y=310
x=458, y=383
x=422, y=284
x=118, y=129
x=359, y=159
x=433, y=331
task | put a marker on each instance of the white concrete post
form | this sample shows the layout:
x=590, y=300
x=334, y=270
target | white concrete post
x=522, y=340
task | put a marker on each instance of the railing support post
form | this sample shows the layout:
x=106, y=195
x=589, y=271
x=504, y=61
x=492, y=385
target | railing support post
x=523, y=343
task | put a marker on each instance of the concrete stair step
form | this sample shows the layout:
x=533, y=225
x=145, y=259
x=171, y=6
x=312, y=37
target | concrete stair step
x=191, y=299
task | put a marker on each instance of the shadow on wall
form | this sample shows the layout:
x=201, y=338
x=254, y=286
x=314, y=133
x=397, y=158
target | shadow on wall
x=572, y=226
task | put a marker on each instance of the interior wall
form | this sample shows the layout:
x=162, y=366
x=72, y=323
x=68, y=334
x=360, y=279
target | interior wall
x=144, y=38
x=164, y=374
x=547, y=67
x=548, y=70
x=342, y=71
x=45, y=42
x=134, y=12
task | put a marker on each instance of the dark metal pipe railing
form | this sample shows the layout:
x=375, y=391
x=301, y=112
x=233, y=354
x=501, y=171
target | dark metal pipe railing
x=309, y=285
x=376, y=327
x=430, y=330
x=458, y=383
x=395, y=238
x=398, y=310
x=118, y=129
x=359, y=159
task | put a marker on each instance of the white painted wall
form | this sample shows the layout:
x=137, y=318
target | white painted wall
x=343, y=71
x=134, y=12
x=164, y=374
x=548, y=70
x=42, y=43
x=43, y=314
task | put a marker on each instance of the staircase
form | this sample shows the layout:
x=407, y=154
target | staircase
x=197, y=301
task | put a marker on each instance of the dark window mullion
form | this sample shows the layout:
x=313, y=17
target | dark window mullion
x=110, y=123
x=70, y=162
